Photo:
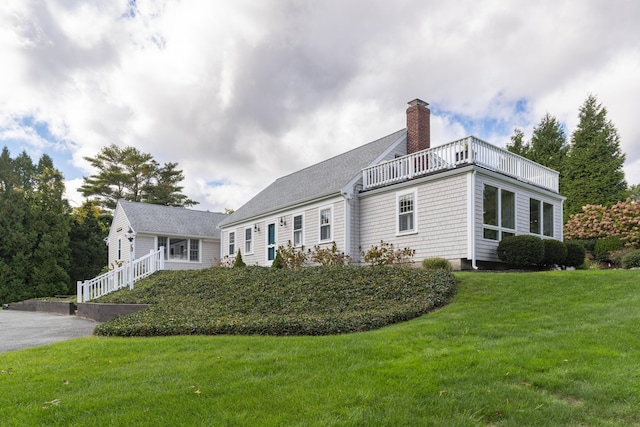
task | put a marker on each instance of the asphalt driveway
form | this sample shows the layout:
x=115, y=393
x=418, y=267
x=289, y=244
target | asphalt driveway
x=24, y=329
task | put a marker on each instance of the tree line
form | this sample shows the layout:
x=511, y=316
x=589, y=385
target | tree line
x=46, y=246
x=590, y=165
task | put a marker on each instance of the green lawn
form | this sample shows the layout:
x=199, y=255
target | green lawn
x=513, y=349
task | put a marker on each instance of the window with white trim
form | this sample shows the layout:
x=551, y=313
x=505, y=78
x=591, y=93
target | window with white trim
x=248, y=240
x=325, y=224
x=179, y=248
x=119, y=248
x=540, y=218
x=499, y=213
x=232, y=243
x=194, y=250
x=406, y=209
x=297, y=230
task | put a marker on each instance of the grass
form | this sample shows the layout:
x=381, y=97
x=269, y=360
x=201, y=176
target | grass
x=513, y=349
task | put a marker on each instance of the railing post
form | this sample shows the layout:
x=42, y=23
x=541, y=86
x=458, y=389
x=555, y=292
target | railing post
x=79, y=291
x=161, y=257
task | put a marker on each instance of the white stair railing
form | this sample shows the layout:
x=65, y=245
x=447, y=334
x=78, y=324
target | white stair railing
x=123, y=276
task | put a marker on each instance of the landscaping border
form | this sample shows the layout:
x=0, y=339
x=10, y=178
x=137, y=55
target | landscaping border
x=56, y=307
x=104, y=312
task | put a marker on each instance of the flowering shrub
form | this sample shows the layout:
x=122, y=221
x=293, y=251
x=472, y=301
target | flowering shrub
x=329, y=256
x=596, y=221
x=386, y=254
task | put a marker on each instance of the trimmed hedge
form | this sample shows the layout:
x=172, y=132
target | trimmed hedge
x=575, y=254
x=521, y=250
x=268, y=301
x=555, y=252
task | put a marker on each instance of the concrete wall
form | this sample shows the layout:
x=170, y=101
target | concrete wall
x=105, y=312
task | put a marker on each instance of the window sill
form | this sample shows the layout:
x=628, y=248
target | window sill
x=407, y=233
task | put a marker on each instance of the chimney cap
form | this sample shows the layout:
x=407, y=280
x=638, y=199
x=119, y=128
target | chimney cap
x=418, y=101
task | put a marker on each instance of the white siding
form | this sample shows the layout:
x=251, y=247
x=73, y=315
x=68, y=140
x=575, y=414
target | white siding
x=486, y=249
x=442, y=224
x=119, y=227
x=284, y=233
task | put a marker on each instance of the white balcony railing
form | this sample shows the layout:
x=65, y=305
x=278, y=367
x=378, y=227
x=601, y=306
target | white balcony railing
x=121, y=277
x=469, y=150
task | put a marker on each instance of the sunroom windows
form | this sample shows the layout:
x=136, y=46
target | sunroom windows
x=180, y=248
x=540, y=218
x=499, y=213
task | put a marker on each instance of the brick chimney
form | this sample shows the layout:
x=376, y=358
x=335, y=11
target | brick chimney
x=418, y=126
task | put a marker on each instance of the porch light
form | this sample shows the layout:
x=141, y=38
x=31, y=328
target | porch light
x=130, y=235
x=283, y=222
x=256, y=228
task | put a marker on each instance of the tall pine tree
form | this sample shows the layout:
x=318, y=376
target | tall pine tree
x=594, y=165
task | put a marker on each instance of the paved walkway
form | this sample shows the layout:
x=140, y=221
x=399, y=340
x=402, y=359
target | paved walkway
x=23, y=329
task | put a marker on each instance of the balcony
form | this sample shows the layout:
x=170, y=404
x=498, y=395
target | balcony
x=466, y=151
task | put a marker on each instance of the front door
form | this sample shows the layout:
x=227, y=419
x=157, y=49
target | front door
x=271, y=242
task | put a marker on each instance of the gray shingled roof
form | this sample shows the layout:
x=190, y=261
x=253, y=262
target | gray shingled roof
x=172, y=221
x=314, y=182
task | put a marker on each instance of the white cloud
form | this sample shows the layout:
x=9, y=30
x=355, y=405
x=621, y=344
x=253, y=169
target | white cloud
x=239, y=93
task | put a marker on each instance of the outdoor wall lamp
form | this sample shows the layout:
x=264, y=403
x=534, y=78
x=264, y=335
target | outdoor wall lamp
x=130, y=235
x=256, y=228
x=283, y=222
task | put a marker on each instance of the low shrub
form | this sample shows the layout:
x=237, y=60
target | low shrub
x=576, y=255
x=329, y=256
x=555, y=252
x=386, y=254
x=605, y=246
x=277, y=261
x=521, y=251
x=239, y=263
x=615, y=257
x=268, y=301
x=631, y=260
x=436, y=263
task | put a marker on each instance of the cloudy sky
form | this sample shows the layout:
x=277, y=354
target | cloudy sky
x=241, y=92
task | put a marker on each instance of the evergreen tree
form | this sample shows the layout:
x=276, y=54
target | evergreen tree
x=518, y=145
x=594, y=166
x=126, y=173
x=89, y=253
x=49, y=223
x=33, y=229
x=166, y=189
x=549, y=144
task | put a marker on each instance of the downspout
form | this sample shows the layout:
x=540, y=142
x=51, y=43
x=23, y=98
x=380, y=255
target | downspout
x=472, y=224
x=347, y=222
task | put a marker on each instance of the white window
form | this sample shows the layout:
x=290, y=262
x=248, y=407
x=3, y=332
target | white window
x=119, y=248
x=194, y=250
x=540, y=218
x=499, y=213
x=179, y=248
x=406, y=210
x=297, y=230
x=232, y=243
x=325, y=224
x=248, y=240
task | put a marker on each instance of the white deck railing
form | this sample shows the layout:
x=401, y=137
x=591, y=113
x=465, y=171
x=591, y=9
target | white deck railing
x=121, y=277
x=469, y=150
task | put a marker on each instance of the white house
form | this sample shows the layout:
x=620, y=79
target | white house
x=454, y=201
x=190, y=238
